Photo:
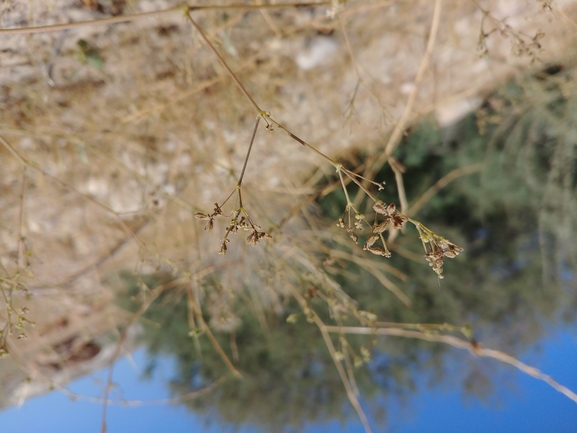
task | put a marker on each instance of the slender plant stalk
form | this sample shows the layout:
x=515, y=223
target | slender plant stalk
x=225, y=65
x=342, y=373
x=397, y=133
x=474, y=348
x=139, y=16
x=440, y=184
x=248, y=152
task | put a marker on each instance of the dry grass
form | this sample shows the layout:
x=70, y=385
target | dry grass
x=112, y=146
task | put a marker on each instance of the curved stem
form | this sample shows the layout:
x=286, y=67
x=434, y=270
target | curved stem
x=397, y=133
x=134, y=17
x=225, y=65
x=68, y=26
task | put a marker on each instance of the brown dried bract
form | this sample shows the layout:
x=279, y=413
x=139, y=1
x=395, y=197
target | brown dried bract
x=379, y=251
x=391, y=214
x=370, y=242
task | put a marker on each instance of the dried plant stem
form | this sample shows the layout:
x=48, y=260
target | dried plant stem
x=397, y=133
x=360, y=80
x=135, y=17
x=459, y=343
x=400, y=126
x=248, y=153
x=102, y=21
x=261, y=113
x=349, y=203
x=213, y=340
x=155, y=294
x=239, y=183
x=352, y=176
x=398, y=169
x=440, y=184
x=21, y=261
x=303, y=142
x=66, y=186
x=265, y=115
x=225, y=65
x=331, y=348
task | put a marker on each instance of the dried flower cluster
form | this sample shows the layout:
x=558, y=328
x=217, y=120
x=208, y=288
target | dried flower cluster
x=521, y=43
x=358, y=224
x=436, y=247
x=8, y=286
x=390, y=215
x=236, y=224
x=209, y=217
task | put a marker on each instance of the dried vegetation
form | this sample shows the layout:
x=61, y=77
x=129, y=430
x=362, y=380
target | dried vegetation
x=117, y=136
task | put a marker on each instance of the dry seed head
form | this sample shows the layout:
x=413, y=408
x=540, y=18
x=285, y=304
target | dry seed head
x=354, y=237
x=370, y=242
x=252, y=239
x=399, y=220
x=217, y=209
x=380, y=208
x=223, y=247
x=378, y=251
x=209, y=225
x=380, y=228
x=256, y=236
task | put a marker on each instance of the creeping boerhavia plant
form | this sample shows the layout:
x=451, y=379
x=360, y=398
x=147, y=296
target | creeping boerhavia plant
x=387, y=217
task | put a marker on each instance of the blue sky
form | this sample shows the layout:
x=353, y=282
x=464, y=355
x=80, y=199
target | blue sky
x=523, y=405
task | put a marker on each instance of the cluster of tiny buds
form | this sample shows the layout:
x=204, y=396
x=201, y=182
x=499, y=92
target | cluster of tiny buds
x=236, y=224
x=358, y=225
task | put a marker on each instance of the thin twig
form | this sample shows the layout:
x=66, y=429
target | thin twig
x=21, y=260
x=331, y=348
x=397, y=133
x=473, y=348
x=155, y=294
x=248, y=153
x=134, y=17
x=259, y=112
x=440, y=184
